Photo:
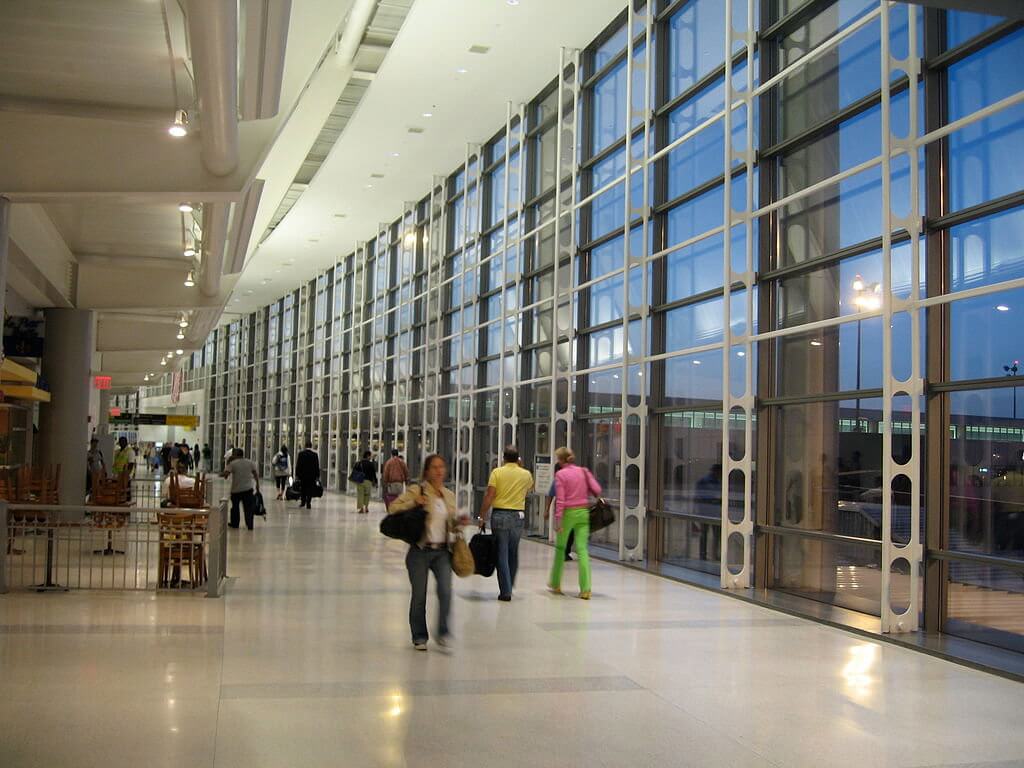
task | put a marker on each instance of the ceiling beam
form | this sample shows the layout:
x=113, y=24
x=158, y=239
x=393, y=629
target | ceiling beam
x=48, y=158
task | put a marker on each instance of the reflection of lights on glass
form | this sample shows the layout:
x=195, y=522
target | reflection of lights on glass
x=1002, y=308
x=815, y=343
x=696, y=362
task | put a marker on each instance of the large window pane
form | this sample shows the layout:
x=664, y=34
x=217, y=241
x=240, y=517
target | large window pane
x=985, y=161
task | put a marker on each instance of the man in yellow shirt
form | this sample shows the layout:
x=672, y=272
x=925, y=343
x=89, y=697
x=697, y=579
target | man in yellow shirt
x=505, y=503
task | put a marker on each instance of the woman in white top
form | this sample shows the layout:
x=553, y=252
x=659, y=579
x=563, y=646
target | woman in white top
x=430, y=553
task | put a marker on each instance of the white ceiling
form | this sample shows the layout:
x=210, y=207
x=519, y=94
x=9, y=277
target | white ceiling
x=418, y=75
x=100, y=52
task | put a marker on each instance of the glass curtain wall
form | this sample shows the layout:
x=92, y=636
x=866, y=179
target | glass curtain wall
x=746, y=257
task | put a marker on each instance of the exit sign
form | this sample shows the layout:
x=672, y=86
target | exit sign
x=102, y=382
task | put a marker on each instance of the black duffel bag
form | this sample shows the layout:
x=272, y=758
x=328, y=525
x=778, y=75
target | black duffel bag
x=294, y=491
x=317, y=491
x=482, y=547
x=407, y=526
x=601, y=515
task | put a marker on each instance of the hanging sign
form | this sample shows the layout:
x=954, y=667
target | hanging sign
x=101, y=382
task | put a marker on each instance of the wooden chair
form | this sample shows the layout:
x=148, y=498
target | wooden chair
x=188, y=498
x=9, y=492
x=110, y=492
x=182, y=544
x=38, y=485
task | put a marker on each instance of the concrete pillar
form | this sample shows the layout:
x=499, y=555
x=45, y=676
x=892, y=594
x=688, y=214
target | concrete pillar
x=103, y=425
x=5, y=234
x=64, y=422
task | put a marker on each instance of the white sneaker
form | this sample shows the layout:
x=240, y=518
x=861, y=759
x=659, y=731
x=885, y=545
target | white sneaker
x=420, y=646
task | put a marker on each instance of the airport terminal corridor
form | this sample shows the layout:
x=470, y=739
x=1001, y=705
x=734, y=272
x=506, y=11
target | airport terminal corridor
x=307, y=661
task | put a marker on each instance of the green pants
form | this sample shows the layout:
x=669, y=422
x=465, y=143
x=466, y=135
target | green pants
x=577, y=520
x=363, y=494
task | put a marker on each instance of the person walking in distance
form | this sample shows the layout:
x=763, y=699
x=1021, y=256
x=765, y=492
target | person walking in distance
x=573, y=487
x=395, y=475
x=282, y=470
x=244, y=482
x=505, y=503
x=430, y=553
x=367, y=468
x=307, y=472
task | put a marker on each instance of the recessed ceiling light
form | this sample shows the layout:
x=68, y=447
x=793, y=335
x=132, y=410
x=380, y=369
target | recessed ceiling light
x=1002, y=308
x=163, y=362
x=185, y=207
x=815, y=343
x=696, y=362
x=395, y=154
x=179, y=352
x=190, y=279
x=462, y=70
x=428, y=114
x=369, y=186
x=190, y=252
x=181, y=335
x=512, y=2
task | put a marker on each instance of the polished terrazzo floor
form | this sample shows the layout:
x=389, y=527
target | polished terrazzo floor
x=307, y=662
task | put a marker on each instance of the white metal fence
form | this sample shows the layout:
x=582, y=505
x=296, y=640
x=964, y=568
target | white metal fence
x=56, y=548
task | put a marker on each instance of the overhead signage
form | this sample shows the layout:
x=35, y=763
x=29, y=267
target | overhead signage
x=102, y=382
x=115, y=412
x=156, y=420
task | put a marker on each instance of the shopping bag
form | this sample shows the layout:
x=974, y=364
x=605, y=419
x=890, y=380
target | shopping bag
x=462, y=559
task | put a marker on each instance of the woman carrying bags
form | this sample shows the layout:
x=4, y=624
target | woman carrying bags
x=282, y=470
x=430, y=553
x=573, y=487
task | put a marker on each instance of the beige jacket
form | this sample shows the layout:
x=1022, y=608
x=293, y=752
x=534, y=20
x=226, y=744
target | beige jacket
x=408, y=500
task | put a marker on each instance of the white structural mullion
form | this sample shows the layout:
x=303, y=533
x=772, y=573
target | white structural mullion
x=358, y=334
x=510, y=420
x=736, y=541
x=566, y=165
x=634, y=383
x=902, y=559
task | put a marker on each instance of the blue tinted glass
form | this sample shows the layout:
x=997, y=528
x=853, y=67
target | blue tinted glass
x=695, y=216
x=696, y=43
x=497, y=212
x=610, y=48
x=606, y=300
x=985, y=335
x=694, y=378
x=608, y=256
x=694, y=325
x=609, y=108
x=961, y=26
x=985, y=158
x=694, y=269
x=986, y=251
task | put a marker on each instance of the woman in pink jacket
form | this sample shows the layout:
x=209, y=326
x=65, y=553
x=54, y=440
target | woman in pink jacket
x=574, y=485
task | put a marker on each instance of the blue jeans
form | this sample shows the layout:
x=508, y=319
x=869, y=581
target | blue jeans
x=507, y=525
x=419, y=562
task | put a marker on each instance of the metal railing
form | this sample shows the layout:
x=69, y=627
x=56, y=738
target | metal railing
x=62, y=547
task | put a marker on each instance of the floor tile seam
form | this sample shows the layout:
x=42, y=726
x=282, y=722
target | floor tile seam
x=341, y=689
x=711, y=726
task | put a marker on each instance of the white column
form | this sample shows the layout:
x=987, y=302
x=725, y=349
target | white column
x=64, y=422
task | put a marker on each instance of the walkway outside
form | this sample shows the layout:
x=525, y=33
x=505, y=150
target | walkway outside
x=307, y=662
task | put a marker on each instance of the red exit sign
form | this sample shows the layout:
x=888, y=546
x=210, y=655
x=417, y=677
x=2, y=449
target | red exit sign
x=115, y=411
x=102, y=382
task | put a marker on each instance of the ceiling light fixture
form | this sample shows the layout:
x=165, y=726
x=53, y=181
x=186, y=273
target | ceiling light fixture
x=428, y=114
x=190, y=278
x=181, y=335
x=179, y=352
x=815, y=343
x=185, y=207
x=180, y=126
x=169, y=356
x=512, y=2
x=183, y=323
x=393, y=154
x=190, y=252
x=461, y=70
x=163, y=362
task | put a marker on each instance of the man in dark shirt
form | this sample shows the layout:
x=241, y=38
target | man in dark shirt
x=307, y=472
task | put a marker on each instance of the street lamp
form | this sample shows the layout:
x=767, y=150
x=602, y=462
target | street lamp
x=866, y=298
x=1011, y=370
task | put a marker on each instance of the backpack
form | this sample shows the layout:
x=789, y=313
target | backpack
x=281, y=462
x=357, y=475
